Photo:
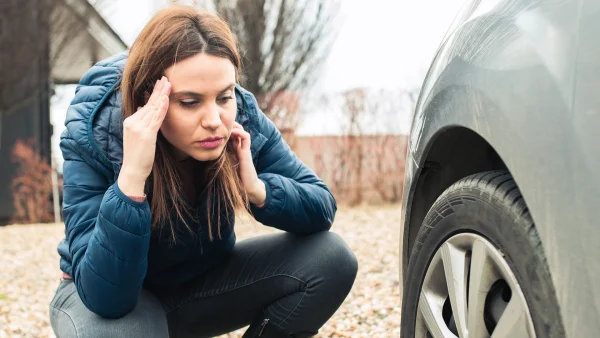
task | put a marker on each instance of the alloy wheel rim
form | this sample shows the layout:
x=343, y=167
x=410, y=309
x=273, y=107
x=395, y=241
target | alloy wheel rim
x=469, y=291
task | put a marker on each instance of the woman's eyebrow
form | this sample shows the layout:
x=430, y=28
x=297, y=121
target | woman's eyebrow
x=195, y=94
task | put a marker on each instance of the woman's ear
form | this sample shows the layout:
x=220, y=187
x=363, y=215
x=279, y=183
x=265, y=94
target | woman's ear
x=146, y=97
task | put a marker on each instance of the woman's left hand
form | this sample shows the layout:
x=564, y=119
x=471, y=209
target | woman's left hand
x=255, y=188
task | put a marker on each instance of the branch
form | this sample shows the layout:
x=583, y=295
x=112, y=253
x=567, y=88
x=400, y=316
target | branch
x=276, y=50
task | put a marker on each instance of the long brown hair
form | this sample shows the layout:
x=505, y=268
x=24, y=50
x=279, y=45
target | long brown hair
x=172, y=35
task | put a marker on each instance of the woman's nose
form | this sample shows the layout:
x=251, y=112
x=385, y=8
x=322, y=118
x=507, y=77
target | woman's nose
x=212, y=120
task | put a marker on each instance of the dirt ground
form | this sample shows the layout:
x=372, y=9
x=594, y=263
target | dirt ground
x=30, y=274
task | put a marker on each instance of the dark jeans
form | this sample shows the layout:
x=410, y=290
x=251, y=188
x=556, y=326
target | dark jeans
x=282, y=285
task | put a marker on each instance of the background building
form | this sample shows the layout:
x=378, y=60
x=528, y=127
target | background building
x=44, y=42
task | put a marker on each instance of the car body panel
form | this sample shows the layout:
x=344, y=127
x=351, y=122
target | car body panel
x=524, y=75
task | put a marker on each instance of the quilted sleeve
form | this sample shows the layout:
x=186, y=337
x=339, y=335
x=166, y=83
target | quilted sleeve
x=108, y=236
x=297, y=200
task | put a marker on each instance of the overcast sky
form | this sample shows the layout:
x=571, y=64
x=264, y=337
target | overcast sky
x=381, y=44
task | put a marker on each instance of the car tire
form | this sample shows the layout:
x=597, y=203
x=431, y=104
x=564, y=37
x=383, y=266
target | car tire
x=487, y=209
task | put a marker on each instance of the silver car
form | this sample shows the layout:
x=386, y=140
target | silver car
x=501, y=220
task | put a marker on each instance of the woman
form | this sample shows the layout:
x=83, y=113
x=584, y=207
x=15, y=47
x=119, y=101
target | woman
x=161, y=148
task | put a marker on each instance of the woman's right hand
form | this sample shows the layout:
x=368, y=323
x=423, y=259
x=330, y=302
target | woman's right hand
x=139, y=139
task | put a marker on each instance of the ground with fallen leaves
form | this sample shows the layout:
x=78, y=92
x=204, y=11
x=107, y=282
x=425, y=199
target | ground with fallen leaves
x=30, y=275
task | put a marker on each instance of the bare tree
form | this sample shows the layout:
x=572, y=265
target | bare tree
x=283, y=43
x=366, y=162
x=353, y=141
x=32, y=185
x=339, y=159
x=387, y=145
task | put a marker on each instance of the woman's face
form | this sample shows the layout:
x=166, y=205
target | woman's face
x=202, y=107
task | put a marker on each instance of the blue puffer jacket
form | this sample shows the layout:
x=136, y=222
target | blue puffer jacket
x=108, y=247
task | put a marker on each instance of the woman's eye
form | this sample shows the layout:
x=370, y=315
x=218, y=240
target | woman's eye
x=225, y=99
x=186, y=104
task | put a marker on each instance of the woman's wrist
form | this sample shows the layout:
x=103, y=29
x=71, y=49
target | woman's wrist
x=258, y=195
x=130, y=184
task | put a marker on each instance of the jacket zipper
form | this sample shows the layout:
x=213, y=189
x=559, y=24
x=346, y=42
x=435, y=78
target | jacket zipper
x=262, y=328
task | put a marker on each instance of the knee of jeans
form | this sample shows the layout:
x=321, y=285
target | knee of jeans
x=338, y=263
x=146, y=320
x=131, y=325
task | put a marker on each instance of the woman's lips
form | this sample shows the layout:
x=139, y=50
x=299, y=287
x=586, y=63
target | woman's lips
x=210, y=143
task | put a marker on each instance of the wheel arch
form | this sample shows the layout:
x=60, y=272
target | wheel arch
x=454, y=153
